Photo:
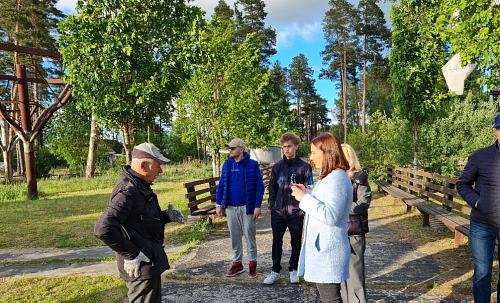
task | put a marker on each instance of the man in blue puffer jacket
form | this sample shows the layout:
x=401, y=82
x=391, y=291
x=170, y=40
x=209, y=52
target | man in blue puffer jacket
x=240, y=192
x=479, y=185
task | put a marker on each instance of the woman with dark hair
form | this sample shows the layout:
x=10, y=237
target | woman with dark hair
x=324, y=257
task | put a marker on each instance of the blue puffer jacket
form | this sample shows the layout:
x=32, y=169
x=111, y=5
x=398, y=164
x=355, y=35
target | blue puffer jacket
x=254, y=186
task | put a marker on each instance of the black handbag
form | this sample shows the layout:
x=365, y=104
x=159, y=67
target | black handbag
x=358, y=225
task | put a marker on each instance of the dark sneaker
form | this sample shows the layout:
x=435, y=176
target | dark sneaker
x=236, y=269
x=252, y=272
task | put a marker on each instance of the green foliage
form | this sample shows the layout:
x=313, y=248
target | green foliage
x=171, y=145
x=68, y=136
x=304, y=149
x=387, y=141
x=126, y=60
x=224, y=97
x=44, y=161
x=449, y=140
x=473, y=32
x=417, y=55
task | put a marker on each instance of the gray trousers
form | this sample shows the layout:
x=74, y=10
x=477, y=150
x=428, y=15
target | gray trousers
x=353, y=290
x=240, y=224
x=145, y=291
x=329, y=292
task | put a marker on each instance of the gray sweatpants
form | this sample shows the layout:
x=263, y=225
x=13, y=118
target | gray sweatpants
x=353, y=290
x=240, y=224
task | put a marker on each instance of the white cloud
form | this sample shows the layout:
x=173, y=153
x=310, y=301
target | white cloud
x=68, y=6
x=307, y=32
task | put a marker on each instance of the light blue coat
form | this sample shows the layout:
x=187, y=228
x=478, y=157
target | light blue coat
x=324, y=257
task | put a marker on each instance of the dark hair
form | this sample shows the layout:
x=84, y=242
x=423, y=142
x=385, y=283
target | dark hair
x=289, y=136
x=333, y=156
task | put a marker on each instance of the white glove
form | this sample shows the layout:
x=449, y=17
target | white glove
x=132, y=267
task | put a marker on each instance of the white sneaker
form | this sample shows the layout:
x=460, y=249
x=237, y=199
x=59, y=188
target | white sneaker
x=294, y=278
x=271, y=278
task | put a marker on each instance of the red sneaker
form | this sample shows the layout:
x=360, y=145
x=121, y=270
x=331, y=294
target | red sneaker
x=236, y=269
x=252, y=273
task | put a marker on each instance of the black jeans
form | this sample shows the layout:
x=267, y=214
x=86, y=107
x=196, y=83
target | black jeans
x=279, y=223
x=144, y=291
x=329, y=292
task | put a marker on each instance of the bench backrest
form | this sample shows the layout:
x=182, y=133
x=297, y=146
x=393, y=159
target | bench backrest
x=429, y=186
x=204, y=190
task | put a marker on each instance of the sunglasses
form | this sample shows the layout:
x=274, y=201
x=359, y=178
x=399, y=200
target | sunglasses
x=233, y=148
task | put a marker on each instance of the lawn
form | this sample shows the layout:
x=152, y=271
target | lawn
x=63, y=289
x=64, y=216
x=65, y=213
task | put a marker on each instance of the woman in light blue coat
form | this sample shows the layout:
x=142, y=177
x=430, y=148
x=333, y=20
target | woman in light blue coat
x=324, y=257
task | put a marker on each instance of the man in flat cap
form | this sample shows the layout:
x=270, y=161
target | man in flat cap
x=240, y=192
x=133, y=225
x=479, y=186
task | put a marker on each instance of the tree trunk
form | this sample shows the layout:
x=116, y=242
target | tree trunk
x=149, y=134
x=90, y=170
x=128, y=141
x=415, y=142
x=7, y=162
x=356, y=106
x=20, y=159
x=29, y=159
x=344, y=97
x=363, y=105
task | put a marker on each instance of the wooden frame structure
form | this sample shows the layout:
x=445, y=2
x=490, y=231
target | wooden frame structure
x=27, y=128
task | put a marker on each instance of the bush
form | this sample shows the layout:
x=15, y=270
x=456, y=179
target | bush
x=45, y=161
x=387, y=141
x=446, y=142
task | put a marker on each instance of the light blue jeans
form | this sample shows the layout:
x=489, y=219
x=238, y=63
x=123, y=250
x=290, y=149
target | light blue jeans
x=240, y=224
x=482, y=242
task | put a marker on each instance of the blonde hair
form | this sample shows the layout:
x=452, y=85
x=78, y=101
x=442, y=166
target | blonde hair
x=352, y=158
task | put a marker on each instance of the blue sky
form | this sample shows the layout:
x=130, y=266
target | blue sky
x=298, y=27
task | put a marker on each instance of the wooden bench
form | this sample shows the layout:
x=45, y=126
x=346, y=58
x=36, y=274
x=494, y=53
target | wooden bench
x=433, y=195
x=201, y=195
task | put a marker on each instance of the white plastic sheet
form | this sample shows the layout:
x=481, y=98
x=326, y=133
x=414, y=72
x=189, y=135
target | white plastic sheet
x=455, y=74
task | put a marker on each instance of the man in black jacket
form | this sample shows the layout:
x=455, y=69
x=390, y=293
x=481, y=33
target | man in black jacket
x=285, y=211
x=133, y=225
x=479, y=185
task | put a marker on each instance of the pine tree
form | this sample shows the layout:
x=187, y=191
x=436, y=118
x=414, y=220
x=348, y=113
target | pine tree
x=376, y=36
x=222, y=10
x=339, y=27
x=250, y=16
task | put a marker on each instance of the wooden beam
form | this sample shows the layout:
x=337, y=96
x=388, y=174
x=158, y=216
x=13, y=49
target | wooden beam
x=30, y=50
x=34, y=80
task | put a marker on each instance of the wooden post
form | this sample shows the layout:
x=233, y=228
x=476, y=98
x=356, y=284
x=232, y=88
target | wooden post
x=426, y=188
x=29, y=157
x=411, y=183
x=191, y=199
x=389, y=174
x=449, y=197
x=426, y=218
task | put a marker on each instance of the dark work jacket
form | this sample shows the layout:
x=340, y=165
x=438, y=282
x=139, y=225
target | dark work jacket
x=480, y=183
x=280, y=192
x=134, y=222
x=253, y=184
x=362, y=193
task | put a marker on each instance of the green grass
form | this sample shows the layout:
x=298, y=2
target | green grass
x=63, y=289
x=44, y=261
x=65, y=213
